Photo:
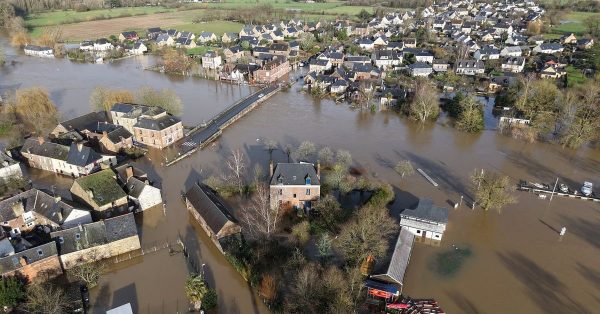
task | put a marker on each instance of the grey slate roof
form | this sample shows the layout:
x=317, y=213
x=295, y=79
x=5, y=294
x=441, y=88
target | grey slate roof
x=32, y=255
x=82, y=156
x=46, y=149
x=87, y=121
x=210, y=207
x=37, y=201
x=294, y=174
x=427, y=211
x=95, y=234
x=158, y=123
x=396, y=268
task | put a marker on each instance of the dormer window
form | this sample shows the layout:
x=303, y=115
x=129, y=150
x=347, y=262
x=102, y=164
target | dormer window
x=280, y=179
x=307, y=180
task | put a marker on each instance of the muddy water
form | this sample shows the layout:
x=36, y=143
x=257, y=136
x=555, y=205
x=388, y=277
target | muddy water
x=518, y=262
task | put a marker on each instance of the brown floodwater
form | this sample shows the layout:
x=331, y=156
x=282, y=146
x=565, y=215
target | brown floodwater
x=518, y=262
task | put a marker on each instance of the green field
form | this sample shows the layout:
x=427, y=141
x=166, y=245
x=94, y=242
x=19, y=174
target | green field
x=217, y=27
x=67, y=17
x=574, y=23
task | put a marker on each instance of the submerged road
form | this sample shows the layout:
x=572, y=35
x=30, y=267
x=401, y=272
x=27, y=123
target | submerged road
x=200, y=136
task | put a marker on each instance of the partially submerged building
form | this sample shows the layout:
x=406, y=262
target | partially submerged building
x=212, y=214
x=427, y=221
x=387, y=280
x=98, y=240
x=102, y=193
x=294, y=185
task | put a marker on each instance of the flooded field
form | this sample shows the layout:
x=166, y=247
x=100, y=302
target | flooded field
x=518, y=263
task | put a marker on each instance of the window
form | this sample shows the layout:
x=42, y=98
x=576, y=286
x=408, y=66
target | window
x=307, y=180
x=437, y=236
x=307, y=191
x=77, y=236
x=294, y=195
x=419, y=231
x=29, y=224
x=40, y=253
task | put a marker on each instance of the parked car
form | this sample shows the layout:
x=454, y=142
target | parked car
x=586, y=189
x=563, y=188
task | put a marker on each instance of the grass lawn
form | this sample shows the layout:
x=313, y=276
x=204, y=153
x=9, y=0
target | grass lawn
x=67, y=17
x=574, y=76
x=217, y=27
x=574, y=23
x=200, y=50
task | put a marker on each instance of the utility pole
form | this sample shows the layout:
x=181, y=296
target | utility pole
x=554, y=189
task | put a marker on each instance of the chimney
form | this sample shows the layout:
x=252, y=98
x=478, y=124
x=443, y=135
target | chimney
x=129, y=172
x=270, y=168
x=104, y=134
x=90, y=193
x=60, y=215
x=79, y=146
x=40, y=140
x=318, y=169
x=57, y=198
x=23, y=261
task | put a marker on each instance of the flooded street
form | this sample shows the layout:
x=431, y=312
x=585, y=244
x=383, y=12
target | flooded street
x=518, y=264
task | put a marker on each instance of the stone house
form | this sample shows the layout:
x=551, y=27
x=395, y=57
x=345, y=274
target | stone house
x=34, y=207
x=294, y=185
x=272, y=70
x=280, y=48
x=207, y=37
x=102, y=193
x=150, y=126
x=140, y=190
x=386, y=59
x=426, y=221
x=96, y=241
x=37, y=264
x=229, y=37
x=212, y=213
x=233, y=54
x=439, y=65
x=165, y=39
x=75, y=160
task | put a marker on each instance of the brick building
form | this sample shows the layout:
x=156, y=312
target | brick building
x=294, y=185
x=272, y=70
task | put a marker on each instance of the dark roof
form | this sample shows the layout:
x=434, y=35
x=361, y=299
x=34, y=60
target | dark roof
x=319, y=62
x=428, y=212
x=95, y=234
x=294, y=174
x=135, y=187
x=137, y=172
x=129, y=34
x=37, y=201
x=46, y=149
x=119, y=133
x=80, y=155
x=154, y=30
x=36, y=48
x=396, y=268
x=419, y=65
x=158, y=124
x=32, y=255
x=210, y=207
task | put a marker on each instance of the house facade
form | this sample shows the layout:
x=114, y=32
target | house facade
x=272, y=70
x=294, y=185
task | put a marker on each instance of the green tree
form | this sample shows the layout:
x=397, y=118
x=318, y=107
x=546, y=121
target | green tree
x=582, y=117
x=363, y=14
x=538, y=102
x=196, y=289
x=492, y=190
x=306, y=150
x=306, y=40
x=326, y=156
x=470, y=118
x=245, y=45
x=12, y=292
x=328, y=212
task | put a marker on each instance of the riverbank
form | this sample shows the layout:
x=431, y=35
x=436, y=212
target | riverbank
x=514, y=243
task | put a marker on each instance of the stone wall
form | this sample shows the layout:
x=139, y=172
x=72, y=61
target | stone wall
x=97, y=253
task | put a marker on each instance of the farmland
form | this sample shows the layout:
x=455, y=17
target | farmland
x=102, y=23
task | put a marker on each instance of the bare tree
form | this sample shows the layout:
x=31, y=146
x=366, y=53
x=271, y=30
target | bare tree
x=270, y=146
x=88, y=273
x=260, y=218
x=343, y=157
x=425, y=103
x=305, y=150
x=45, y=298
x=103, y=98
x=326, y=156
x=404, y=167
x=289, y=149
x=237, y=166
x=164, y=98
